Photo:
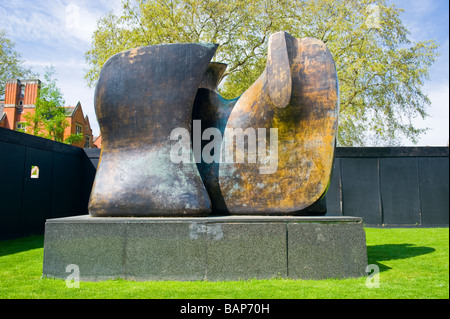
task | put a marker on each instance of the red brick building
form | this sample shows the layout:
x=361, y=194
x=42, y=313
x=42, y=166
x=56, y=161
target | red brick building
x=20, y=97
x=98, y=141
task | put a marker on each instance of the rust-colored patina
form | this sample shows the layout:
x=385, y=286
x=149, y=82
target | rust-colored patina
x=298, y=95
x=141, y=96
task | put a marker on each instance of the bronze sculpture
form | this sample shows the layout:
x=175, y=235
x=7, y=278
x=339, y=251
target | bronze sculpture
x=296, y=97
x=141, y=95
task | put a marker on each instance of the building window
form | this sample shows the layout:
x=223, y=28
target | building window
x=20, y=103
x=22, y=90
x=78, y=128
x=87, y=141
x=20, y=126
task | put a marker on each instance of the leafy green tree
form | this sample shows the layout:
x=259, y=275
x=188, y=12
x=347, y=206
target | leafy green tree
x=381, y=71
x=11, y=63
x=49, y=117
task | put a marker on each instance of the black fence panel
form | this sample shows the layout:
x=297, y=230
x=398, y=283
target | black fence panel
x=333, y=196
x=400, y=197
x=89, y=163
x=391, y=186
x=12, y=162
x=40, y=179
x=433, y=172
x=361, y=189
x=37, y=190
x=67, y=185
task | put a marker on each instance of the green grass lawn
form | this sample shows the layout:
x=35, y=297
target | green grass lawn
x=413, y=263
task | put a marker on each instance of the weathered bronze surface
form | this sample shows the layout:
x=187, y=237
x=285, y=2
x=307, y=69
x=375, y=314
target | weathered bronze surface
x=141, y=96
x=296, y=94
x=145, y=93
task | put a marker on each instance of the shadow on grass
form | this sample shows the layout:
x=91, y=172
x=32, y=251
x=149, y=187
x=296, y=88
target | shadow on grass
x=378, y=253
x=13, y=246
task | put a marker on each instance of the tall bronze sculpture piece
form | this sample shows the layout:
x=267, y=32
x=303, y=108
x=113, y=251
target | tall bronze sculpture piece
x=141, y=96
x=297, y=96
x=277, y=139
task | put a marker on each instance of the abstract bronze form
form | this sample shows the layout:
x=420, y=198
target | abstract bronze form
x=298, y=95
x=144, y=93
x=141, y=96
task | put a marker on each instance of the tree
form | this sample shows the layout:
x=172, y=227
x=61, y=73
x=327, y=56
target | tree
x=49, y=117
x=381, y=72
x=11, y=63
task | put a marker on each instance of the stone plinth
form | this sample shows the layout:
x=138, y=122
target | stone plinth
x=205, y=248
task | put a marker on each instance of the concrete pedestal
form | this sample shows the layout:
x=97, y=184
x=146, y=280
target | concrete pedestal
x=205, y=248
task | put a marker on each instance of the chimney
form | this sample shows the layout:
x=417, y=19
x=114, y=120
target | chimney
x=31, y=91
x=12, y=92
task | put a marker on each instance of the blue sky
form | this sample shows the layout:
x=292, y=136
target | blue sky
x=58, y=33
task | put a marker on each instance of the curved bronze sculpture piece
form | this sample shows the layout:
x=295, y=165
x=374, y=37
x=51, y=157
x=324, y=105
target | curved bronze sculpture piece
x=141, y=96
x=297, y=94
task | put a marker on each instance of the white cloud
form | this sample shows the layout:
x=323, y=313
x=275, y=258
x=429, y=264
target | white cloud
x=58, y=22
x=414, y=17
x=80, y=22
x=438, y=119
